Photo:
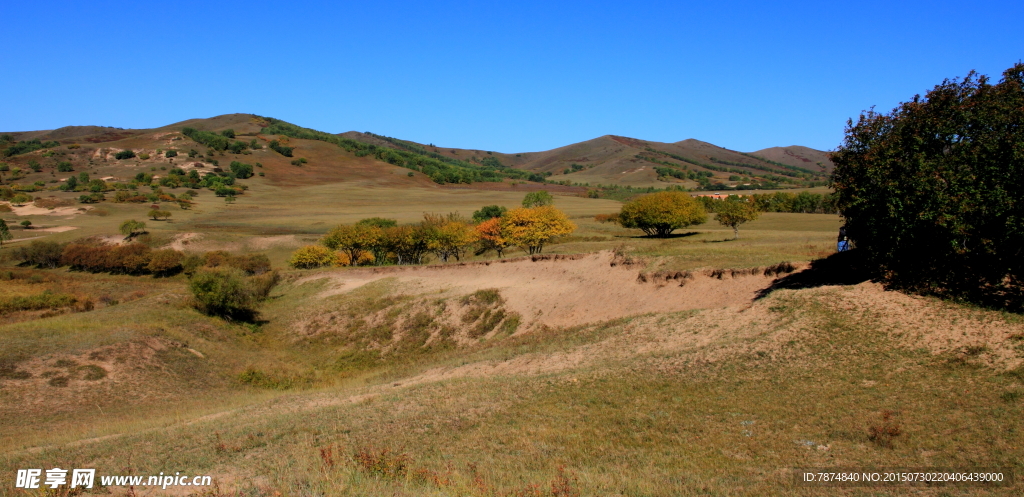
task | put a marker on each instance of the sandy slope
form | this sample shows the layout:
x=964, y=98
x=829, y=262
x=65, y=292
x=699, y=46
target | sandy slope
x=554, y=291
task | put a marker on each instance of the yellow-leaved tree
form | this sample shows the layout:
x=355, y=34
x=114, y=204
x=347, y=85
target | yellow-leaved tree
x=531, y=228
x=659, y=214
x=448, y=236
x=354, y=240
x=313, y=256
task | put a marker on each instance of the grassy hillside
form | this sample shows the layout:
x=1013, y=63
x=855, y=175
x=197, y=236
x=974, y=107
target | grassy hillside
x=396, y=382
x=608, y=160
x=616, y=160
x=614, y=365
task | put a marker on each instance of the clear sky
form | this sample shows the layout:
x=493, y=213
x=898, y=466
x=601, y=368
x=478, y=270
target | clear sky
x=506, y=76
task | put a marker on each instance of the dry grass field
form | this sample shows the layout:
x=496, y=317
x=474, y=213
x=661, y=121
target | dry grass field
x=610, y=365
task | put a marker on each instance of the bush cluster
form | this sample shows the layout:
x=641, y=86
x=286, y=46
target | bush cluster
x=281, y=149
x=129, y=258
x=24, y=147
x=227, y=292
x=45, y=300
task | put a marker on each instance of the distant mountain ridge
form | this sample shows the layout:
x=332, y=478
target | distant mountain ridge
x=605, y=160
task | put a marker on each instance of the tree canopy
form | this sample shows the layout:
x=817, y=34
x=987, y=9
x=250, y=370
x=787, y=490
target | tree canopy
x=661, y=213
x=532, y=228
x=930, y=191
x=488, y=212
x=537, y=199
x=735, y=211
x=132, y=227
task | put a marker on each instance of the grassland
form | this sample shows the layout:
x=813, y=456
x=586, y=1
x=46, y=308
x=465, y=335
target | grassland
x=696, y=397
x=798, y=380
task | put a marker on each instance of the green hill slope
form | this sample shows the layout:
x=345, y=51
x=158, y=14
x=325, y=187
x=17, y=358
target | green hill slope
x=607, y=160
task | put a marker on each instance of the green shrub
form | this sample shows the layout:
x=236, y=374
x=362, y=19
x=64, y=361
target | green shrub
x=226, y=292
x=64, y=167
x=488, y=212
x=45, y=300
x=24, y=147
x=124, y=154
x=40, y=253
x=241, y=170
x=277, y=147
x=171, y=153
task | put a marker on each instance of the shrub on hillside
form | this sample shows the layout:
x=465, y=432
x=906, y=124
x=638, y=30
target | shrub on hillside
x=241, y=170
x=277, y=147
x=227, y=292
x=40, y=253
x=45, y=300
x=64, y=167
x=124, y=154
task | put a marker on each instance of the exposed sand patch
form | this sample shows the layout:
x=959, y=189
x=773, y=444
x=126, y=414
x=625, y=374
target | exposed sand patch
x=32, y=210
x=181, y=240
x=565, y=290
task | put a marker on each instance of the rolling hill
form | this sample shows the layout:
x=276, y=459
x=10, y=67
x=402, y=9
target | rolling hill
x=604, y=161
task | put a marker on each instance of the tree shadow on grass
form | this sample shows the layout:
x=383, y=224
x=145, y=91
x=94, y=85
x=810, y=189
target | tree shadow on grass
x=841, y=268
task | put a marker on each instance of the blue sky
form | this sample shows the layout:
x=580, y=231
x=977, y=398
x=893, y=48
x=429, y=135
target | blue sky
x=506, y=76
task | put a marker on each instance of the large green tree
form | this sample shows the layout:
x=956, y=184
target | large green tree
x=931, y=191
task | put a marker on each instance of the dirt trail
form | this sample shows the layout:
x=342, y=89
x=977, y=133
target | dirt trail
x=567, y=290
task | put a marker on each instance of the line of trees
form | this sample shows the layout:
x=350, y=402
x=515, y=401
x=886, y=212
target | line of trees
x=802, y=202
x=378, y=241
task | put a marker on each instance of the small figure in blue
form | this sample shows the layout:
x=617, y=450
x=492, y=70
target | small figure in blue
x=844, y=242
